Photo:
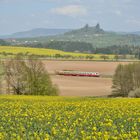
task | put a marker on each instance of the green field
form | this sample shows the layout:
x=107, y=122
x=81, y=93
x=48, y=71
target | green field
x=45, y=52
x=61, y=118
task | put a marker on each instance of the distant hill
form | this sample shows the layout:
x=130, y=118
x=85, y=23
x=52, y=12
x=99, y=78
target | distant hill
x=95, y=35
x=36, y=33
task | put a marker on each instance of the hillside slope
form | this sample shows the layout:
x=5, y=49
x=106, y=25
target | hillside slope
x=94, y=35
x=36, y=33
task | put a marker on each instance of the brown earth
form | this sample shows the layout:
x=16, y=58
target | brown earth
x=82, y=86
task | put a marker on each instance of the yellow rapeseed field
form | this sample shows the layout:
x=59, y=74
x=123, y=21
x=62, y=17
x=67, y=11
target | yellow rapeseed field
x=61, y=118
x=50, y=52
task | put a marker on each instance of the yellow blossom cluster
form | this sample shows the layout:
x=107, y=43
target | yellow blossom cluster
x=73, y=118
x=50, y=52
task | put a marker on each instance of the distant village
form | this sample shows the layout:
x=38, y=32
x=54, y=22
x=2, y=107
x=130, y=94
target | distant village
x=17, y=42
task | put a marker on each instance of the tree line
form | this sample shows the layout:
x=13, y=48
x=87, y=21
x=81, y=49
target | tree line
x=83, y=47
x=3, y=42
x=70, y=46
x=67, y=46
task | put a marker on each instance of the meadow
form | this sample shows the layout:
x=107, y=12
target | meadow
x=62, y=118
x=45, y=52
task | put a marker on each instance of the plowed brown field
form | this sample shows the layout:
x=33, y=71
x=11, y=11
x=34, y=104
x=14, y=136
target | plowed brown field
x=83, y=86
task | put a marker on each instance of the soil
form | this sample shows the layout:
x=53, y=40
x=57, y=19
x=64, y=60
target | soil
x=82, y=86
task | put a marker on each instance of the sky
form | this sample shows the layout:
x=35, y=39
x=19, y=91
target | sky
x=113, y=15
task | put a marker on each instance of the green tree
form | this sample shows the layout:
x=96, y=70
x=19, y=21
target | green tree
x=116, y=57
x=57, y=56
x=118, y=81
x=104, y=57
x=122, y=80
x=38, y=79
x=90, y=57
x=136, y=75
x=126, y=79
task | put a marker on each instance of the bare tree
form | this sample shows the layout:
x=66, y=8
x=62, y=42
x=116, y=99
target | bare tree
x=28, y=77
x=15, y=76
x=126, y=79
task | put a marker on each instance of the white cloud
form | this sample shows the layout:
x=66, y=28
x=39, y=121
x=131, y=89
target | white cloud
x=71, y=10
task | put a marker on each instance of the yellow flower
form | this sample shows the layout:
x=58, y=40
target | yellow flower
x=64, y=130
x=94, y=128
x=47, y=137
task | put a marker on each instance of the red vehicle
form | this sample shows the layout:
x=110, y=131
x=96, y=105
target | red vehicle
x=78, y=73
